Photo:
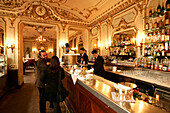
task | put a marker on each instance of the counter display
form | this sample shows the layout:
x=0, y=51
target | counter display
x=94, y=96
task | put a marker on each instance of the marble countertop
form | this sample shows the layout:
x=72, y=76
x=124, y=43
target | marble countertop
x=102, y=88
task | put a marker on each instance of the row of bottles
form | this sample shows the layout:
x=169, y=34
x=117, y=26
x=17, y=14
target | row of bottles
x=159, y=22
x=154, y=64
x=123, y=51
x=158, y=36
x=123, y=40
x=157, y=50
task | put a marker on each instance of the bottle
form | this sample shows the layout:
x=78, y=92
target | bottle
x=155, y=50
x=154, y=37
x=163, y=52
x=150, y=12
x=146, y=51
x=155, y=14
x=159, y=37
x=147, y=38
x=149, y=51
x=152, y=64
x=158, y=52
x=165, y=65
x=160, y=25
x=151, y=25
x=167, y=35
x=147, y=25
x=167, y=5
x=152, y=50
x=156, y=24
x=159, y=8
x=163, y=9
x=167, y=18
x=149, y=63
x=161, y=65
x=163, y=35
x=156, y=64
x=168, y=51
x=144, y=62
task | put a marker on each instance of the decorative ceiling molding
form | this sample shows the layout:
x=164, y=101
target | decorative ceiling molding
x=11, y=3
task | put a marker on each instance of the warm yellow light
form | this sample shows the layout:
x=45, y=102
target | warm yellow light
x=99, y=45
x=50, y=50
x=34, y=50
x=62, y=44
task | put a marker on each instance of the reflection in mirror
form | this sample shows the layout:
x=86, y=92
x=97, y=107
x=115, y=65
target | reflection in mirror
x=1, y=41
x=124, y=45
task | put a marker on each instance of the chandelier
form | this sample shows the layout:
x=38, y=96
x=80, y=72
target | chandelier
x=41, y=39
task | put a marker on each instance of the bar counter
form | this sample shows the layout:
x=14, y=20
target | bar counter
x=94, y=96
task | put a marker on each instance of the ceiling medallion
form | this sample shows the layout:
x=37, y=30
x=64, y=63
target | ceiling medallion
x=40, y=10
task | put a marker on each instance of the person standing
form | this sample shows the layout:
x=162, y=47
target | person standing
x=98, y=65
x=41, y=66
x=52, y=78
x=83, y=56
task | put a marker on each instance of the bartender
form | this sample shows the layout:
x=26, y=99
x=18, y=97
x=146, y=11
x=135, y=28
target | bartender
x=83, y=56
x=98, y=65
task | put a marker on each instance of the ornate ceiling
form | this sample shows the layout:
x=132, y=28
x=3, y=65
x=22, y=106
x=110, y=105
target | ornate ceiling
x=83, y=12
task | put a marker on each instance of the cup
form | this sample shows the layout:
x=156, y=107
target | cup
x=114, y=69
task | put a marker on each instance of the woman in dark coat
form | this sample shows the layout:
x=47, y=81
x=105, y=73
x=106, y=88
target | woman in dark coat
x=52, y=78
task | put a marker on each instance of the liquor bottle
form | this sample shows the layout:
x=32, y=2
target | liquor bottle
x=147, y=38
x=168, y=51
x=152, y=50
x=165, y=65
x=161, y=65
x=150, y=12
x=167, y=35
x=167, y=5
x=156, y=66
x=152, y=64
x=159, y=8
x=159, y=37
x=156, y=24
x=167, y=18
x=147, y=25
x=163, y=9
x=145, y=62
x=150, y=37
x=146, y=51
x=158, y=52
x=151, y=25
x=168, y=65
x=163, y=52
x=155, y=50
x=160, y=25
x=149, y=51
x=163, y=35
x=149, y=63
x=154, y=37
x=155, y=14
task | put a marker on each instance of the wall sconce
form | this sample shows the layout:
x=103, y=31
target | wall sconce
x=50, y=50
x=108, y=45
x=34, y=50
x=12, y=46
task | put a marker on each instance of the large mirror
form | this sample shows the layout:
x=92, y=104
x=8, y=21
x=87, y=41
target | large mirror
x=124, y=44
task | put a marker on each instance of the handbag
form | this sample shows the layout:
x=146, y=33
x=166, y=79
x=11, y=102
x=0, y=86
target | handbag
x=62, y=93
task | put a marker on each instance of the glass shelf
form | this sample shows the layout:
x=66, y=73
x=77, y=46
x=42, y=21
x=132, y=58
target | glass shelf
x=156, y=42
x=157, y=29
x=123, y=46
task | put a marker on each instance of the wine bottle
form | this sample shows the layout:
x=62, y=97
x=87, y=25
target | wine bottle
x=163, y=35
x=155, y=14
x=146, y=51
x=149, y=51
x=159, y=8
x=160, y=24
x=168, y=5
x=163, y=9
x=167, y=18
x=147, y=25
x=150, y=12
x=156, y=24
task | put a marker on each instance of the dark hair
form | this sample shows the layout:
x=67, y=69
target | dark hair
x=94, y=51
x=54, y=65
x=41, y=52
x=66, y=44
x=82, y=49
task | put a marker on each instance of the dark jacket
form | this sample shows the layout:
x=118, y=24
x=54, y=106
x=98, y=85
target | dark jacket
x=52, y=81
x=98, y=66
x=85, y=58
x=41, y=66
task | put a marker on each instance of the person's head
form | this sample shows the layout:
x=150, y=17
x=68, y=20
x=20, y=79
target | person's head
x=43, y=54
x=82, y=50
x=54, y=64
x=94, y=53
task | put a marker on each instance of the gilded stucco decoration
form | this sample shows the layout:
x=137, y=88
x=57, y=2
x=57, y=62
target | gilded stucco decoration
x=94, y=31
x=11, y=3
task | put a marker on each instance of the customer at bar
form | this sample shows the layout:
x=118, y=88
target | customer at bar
x=98, y=65
x=41, y=66
x=52, y=77
x=83, y=56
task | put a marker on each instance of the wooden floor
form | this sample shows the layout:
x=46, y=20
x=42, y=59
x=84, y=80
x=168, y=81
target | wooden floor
x=25, y=99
